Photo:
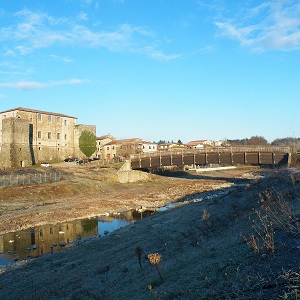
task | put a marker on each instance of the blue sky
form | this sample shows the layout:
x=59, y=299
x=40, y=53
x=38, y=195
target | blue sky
x=156, y=69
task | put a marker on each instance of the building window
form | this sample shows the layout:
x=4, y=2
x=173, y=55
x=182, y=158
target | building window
x=65, y=122
x=65, y=136
x=58, y=136
x=39, y=134
x=39, y=148
x=39, y=116
x=49, y=135
x=107, y=148
x=58, y=119
x=49, y=118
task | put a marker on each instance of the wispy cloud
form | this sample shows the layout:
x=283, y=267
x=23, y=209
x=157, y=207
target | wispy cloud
x=273, y=25
x=159, y=55
x=82, y=16
x=2, y=96
x=37, y=30
x=23, y=85
x=34, y=85
x=62, y=59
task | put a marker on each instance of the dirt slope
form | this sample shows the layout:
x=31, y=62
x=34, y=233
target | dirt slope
x=203, y=255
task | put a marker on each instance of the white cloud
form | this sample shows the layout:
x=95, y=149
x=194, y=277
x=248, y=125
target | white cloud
x=83, y=16
x=34, y=85
x=23, y=85
x=158, y=55
x=87, y=2
x=62, y=59
x=68, y=82
x=39, y=30
x=2, y=96
x=270, y=26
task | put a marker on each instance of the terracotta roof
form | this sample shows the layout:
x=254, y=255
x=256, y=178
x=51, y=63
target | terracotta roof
x=196, y=142
x=102, y=137
x=37, y=111
x=125, y=141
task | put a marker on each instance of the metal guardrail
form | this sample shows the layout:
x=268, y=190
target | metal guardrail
x=9, y=180
x=215, y=150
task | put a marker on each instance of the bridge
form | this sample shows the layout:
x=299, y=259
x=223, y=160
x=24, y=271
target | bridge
x=275, y=156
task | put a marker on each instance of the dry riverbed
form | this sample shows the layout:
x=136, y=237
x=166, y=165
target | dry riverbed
x=202, y=248
x=83, y=195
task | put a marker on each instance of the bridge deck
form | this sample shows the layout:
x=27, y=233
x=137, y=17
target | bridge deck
x=224, y=156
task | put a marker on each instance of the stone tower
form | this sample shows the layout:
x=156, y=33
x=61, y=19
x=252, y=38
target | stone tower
x=16, y=143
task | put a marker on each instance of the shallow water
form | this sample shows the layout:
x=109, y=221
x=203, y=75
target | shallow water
x=45, y=239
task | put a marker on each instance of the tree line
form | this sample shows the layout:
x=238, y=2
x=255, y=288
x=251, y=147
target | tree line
x=254, y=141
x=261, y=141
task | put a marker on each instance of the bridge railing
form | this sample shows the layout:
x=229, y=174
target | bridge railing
x=246, y=149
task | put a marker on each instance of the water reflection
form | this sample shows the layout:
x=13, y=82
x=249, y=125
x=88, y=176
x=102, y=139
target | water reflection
x=48, y=238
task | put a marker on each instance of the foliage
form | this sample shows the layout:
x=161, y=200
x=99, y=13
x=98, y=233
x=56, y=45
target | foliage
x=289, y=141
x=154, y=259
x=254, y=140
x=87, y=143
x=278, y=212
x=168, y=142
x=162, y=142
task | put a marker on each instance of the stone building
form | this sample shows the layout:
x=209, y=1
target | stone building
x=122, y=149
x=101, y=141
x=171, y=147
x=29, y=136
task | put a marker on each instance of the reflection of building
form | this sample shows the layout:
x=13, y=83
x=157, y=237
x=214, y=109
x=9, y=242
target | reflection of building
x=45, y=239
x=28, y=136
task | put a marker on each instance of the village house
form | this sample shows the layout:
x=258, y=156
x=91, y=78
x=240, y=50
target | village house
x=101, y=141
x=29, y=136
x=171, y=147
x=120, y=149
x=199, y=144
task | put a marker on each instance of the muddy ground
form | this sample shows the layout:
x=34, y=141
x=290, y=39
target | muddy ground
x=217, y=248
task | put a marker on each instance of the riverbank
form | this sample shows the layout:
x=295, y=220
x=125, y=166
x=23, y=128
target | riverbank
x=92, y=191
x=204, y=248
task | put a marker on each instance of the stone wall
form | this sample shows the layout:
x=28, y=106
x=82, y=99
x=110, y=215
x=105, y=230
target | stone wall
x=30, y=136
x=127, y=175
x=16, y=150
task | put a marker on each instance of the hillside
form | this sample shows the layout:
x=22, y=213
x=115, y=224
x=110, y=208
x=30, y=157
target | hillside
x=217, y=248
